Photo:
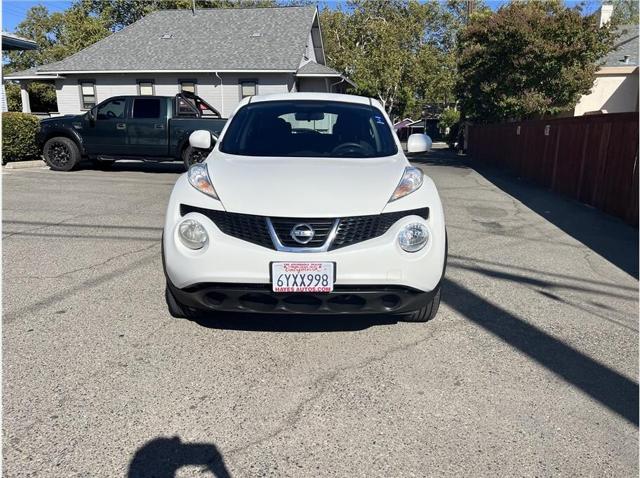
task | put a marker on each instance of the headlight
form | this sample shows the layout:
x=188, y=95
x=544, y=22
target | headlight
x=198, y=175
x=410, y=181
x=192, y=234
x=413, y=237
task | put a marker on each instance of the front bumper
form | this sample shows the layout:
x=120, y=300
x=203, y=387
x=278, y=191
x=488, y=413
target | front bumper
x=259, y=298
x=366, y=272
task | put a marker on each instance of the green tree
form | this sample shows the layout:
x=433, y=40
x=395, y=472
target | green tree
x=527, y=59
x=625, y=12
x=416, y=56
x=397, y=51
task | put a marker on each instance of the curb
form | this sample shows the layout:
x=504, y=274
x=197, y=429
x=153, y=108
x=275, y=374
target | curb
x=38, y=163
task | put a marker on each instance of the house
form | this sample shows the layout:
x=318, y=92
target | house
x=11, y=42
x=222, y=55
x=615, y=89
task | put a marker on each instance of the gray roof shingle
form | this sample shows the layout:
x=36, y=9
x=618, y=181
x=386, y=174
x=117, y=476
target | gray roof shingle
x=313, y=68
x=627, y=44
x=212, y=39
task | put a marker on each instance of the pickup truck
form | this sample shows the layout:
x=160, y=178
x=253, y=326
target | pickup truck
x=148, y=128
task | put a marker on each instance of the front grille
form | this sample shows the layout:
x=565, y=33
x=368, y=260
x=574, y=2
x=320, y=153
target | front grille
x=284, y=225
x=351, y=230
x=241, y=226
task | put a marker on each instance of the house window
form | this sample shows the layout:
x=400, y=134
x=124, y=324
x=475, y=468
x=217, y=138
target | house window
x=145, y=88
x=144, y=108
x=87, y=94
x=188, y=85
x=248, y=88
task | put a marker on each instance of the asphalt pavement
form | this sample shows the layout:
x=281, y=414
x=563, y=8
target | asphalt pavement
x=529, y=369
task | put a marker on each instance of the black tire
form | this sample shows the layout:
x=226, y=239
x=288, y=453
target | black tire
x=427, y=312
x=175, y=309
x=192, y=155
x=61, y=154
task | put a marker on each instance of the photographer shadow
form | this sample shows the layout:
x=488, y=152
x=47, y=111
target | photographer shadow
x=162, y=458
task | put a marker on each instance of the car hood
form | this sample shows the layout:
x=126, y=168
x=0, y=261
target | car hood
x=305, y=187
x=60, y=120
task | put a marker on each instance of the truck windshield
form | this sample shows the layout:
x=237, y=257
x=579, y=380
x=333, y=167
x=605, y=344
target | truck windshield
x=309, y=128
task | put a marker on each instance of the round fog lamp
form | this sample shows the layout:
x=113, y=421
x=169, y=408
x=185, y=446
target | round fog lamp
x=192, y=234
x=413, y=237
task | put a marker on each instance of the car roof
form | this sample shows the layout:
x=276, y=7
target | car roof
x=362, y=100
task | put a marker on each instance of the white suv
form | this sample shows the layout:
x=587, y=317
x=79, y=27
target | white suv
x=306, y=204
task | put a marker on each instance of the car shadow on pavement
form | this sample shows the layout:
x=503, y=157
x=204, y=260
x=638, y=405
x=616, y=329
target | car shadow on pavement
x=292, y=323
x=172, y=167
x=163, y=457
x=603, y=384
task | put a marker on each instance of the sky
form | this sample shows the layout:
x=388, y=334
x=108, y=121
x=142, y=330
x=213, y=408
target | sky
x=14, y=11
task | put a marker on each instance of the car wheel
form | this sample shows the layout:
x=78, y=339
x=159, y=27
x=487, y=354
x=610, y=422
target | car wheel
x=192, y=155
x=61, y=154
x=427, y=312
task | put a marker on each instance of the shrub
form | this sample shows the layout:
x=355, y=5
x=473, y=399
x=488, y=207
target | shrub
x=42, y=97
x=448, y=118
x=19, y=137
x=14, y=103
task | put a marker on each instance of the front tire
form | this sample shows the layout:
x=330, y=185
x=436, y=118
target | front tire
x=192, y=156
x=427, y=312
x=61, y=154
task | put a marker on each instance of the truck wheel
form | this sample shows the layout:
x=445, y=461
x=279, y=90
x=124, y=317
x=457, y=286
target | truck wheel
x=427, y=312
x=61, y=154
x=192, y=155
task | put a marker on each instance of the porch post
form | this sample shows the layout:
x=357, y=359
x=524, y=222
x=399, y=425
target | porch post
x=24, y=96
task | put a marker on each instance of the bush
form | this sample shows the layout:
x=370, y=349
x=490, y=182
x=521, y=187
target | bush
x=19, y=137
x=42, y=97
x=448, y=118
x=14, y=103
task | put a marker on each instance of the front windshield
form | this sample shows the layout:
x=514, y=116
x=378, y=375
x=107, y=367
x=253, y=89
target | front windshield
x=309, y=128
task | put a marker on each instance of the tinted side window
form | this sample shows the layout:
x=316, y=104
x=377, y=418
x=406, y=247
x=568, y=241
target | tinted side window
x=113, y=109
x=146, y=108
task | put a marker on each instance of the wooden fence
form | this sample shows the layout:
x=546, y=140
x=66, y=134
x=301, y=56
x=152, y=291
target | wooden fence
x=590, y=158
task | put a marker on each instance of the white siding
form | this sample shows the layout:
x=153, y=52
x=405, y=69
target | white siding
x=611, y=92
x=208, y=87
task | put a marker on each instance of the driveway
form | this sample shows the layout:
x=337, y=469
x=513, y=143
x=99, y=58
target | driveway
x=529, y=369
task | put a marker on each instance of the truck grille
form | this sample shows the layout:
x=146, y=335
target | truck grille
x=351, y=230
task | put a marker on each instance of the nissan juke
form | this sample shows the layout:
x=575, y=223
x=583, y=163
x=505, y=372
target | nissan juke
x=305, y=204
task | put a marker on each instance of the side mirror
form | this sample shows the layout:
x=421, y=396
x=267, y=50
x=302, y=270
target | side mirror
x=418, y=143
x=200, y=139
x=91, y=116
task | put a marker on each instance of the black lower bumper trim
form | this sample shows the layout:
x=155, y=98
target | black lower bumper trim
x=343, y=300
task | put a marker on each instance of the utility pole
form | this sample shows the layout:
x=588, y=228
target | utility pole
x=193, y=7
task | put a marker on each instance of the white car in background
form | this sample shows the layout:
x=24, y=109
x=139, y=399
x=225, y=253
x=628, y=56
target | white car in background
x=306, y=204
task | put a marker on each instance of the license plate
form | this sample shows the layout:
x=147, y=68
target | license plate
x=311, y=277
